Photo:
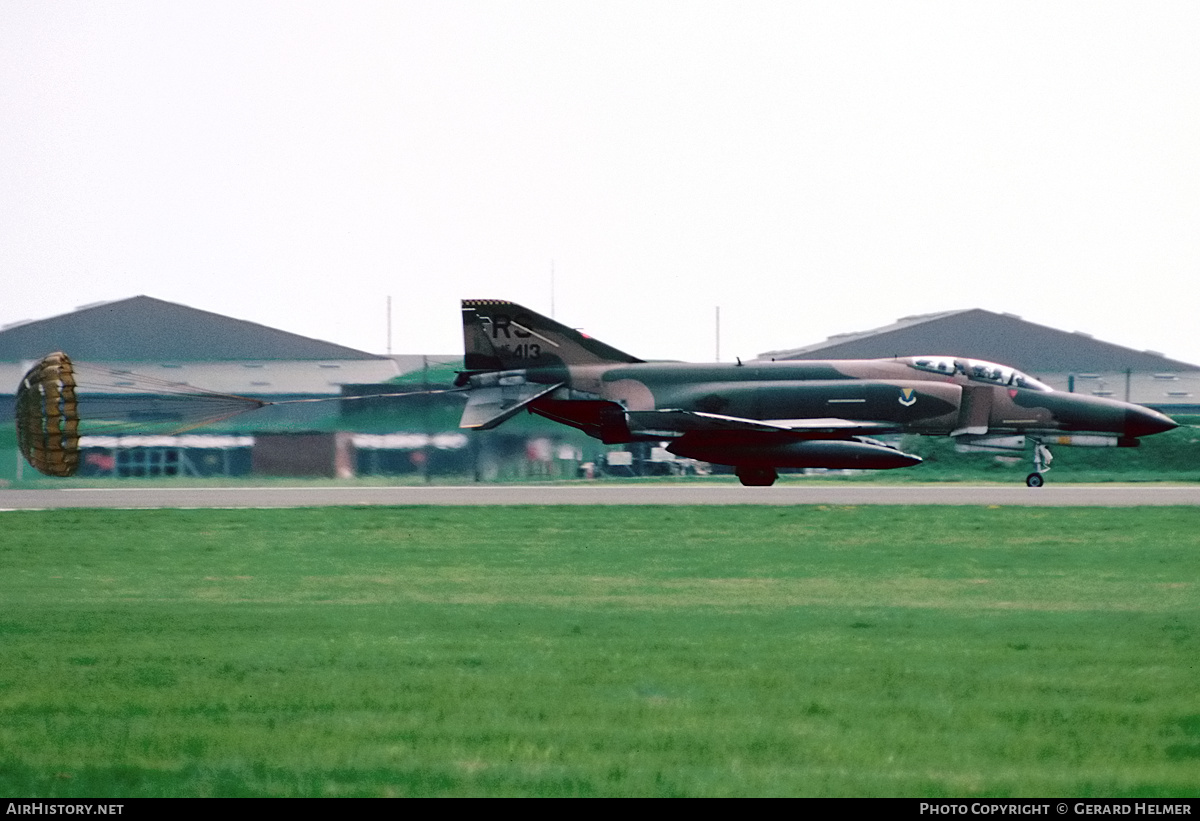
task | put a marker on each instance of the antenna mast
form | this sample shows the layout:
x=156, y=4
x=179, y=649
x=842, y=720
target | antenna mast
x=718, y=329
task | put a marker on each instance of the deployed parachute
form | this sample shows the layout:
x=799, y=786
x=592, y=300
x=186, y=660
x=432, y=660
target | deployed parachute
x=48, y=416
x=58, y=403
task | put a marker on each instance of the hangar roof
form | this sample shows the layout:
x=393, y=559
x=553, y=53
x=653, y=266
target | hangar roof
x=144, y=329
x=980, y=334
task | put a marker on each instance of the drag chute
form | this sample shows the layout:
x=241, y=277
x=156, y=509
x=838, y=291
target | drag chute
x=59, y=402
x=48, y=416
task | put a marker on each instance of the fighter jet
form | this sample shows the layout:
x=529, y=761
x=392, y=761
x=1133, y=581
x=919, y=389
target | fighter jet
x=759, y=416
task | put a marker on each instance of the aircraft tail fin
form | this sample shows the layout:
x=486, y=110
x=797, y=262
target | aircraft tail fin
x=500, y=335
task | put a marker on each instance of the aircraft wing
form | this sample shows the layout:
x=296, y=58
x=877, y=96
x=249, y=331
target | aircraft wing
x=676, y=422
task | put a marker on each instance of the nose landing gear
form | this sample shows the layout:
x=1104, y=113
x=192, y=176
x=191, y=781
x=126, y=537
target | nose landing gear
x=1042, y=457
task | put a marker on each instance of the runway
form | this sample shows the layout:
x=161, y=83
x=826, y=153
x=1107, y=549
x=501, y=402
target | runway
x=629, y=494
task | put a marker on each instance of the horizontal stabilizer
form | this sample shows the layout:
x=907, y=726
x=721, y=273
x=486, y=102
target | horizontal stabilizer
x=488, y=407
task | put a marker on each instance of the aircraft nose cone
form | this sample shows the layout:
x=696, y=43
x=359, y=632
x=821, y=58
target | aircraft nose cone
x=1141, y=421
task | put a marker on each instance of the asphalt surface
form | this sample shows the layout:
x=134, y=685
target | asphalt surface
x=631, y=494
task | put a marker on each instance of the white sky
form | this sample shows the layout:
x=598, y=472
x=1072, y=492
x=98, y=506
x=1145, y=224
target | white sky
x=810, y=167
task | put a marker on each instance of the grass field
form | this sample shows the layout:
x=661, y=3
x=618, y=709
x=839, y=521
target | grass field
x=593, y=651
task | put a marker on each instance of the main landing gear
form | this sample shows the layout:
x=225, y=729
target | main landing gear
x=756, y=476
x=1042, y=457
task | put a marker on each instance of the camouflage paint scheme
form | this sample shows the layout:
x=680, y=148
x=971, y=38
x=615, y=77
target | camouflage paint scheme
x=758, y=416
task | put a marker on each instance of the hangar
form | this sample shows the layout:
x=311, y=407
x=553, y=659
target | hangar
x=232, y=354
x=1069, y=361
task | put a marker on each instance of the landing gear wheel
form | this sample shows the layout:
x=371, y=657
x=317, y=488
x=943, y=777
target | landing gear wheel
x=1035, y=480
x=757, y=476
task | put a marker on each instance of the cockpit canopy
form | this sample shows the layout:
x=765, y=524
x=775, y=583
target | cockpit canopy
x=977, y=370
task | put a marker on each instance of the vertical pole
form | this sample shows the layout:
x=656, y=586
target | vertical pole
x=425, y=405
x=1128, y=379
x=718, y=333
